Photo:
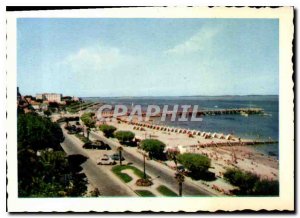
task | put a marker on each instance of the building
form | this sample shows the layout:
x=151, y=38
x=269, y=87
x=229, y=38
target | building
x=50, y=97
x=39, y=96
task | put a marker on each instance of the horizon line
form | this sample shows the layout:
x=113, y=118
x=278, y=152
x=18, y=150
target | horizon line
x=141, y=96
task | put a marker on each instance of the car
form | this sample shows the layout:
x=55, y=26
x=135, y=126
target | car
x=105, y=160
x=117, y=157
x=71, y=132
x=93, y=145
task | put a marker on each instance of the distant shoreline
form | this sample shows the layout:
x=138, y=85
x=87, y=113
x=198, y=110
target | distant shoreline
x=182, y=96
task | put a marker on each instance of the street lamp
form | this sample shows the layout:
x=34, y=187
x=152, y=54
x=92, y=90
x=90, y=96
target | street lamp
x=180, y=179
x=144, y=166
x=144, y=157
x=120, y=149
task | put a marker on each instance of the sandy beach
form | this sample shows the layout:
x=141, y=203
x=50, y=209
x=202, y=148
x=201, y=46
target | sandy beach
x=222, y=157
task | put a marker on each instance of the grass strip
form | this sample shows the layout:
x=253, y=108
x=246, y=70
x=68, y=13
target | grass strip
x=166, y=191
x=144, y=193
x=82, y=138
x=125, y=177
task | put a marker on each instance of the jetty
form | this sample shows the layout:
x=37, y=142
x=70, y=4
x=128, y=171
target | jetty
x=202, y=112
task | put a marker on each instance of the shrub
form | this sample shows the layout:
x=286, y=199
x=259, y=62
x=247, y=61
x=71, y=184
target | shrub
x=266, y=188
x=244, y=180
x=195, y=163
x=250, y=184
x=124, y=136
x=154, y=147
x=47, y=113
x=107, y=130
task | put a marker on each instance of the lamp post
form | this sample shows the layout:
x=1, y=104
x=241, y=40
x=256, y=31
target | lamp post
x=180, y=179
x=120, y=149
x=144, y=166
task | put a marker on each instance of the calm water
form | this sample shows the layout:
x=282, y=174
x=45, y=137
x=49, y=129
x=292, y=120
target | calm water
x=253, y=126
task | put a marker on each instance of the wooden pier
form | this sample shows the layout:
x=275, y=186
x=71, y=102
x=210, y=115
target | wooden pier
x=212, y=112
x=242, y=111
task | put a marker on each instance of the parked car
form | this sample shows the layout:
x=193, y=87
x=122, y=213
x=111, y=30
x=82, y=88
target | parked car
x=71, y=132
x=93, y=145
x=117, y=157
x=105, y=160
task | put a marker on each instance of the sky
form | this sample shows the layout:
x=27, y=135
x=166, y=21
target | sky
x=108, y=57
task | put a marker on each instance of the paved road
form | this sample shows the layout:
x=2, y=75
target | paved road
x=98, y=176
x=154, y=169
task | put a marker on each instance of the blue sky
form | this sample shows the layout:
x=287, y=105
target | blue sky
x=148, y=57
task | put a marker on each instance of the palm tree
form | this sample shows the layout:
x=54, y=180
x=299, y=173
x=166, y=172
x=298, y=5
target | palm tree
x=120, y=149
x=180, y=179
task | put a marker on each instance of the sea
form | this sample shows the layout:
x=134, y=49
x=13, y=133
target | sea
x=259, y=127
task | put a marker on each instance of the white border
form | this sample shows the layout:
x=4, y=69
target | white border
x=188, y=204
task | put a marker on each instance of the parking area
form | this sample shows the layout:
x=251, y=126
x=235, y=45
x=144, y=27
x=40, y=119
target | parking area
x=105, y=156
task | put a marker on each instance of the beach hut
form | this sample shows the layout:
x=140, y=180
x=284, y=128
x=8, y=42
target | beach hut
x=180, y=131
x=228, y=137
x=172, y=130
x=221, y=136
x=199, y=133
x=214, y=135
x=203, y=134
x=208, y=135
x=176, y=130
x=194, y=132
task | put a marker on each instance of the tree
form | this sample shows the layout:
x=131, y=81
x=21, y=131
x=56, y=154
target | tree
x=266, y=188
x=107, y=130
x=197, y=164
x=180, y=179
x=154, y=147
x=124, y=136
x=49, y=175
x=172, y=155
x=43, y=168
x=87, y=119
x=89, y=122
x=47, y=113
x=36, y=133
x=120, y=149
x=250, y=184
x=244, y=180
